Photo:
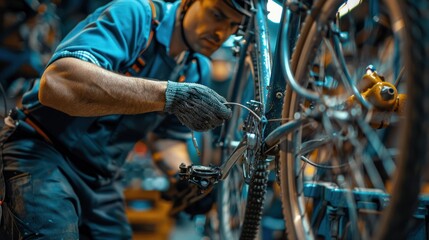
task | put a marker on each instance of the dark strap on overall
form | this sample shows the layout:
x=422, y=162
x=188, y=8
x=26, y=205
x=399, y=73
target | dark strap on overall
x=157, y=15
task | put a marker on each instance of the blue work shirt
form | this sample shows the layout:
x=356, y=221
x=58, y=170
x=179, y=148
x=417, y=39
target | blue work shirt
x=113, y=38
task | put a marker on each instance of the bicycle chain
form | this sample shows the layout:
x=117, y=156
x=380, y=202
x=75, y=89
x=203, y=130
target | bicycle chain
x=254, y=208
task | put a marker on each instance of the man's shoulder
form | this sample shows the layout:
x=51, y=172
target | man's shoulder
x=139, y=11
x=159, y=6
x=140, y=4
x=133, y=7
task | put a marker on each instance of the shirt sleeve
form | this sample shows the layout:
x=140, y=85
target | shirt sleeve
x=111, y=37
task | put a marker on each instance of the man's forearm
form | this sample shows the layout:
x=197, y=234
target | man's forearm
x=79, y=88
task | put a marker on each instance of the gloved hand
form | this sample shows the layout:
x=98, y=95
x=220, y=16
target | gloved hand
x=196, y=106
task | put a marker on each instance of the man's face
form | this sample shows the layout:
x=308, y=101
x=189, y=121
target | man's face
x=208, y=23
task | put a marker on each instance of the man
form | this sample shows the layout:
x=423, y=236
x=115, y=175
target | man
x=111, y=81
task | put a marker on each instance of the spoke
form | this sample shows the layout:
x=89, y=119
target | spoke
x=322, y=63
x=386, y=60
x=238, y=193
x=399, y=78
x=356, y=171
x=301, y=173
x=313, y=144
x=378, y=147
x=351, y=206
x=306, y=160
x=368, y=163
x=280, y=119
x=339, y=63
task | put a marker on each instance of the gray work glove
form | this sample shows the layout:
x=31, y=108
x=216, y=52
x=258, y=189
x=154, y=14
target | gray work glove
x=196, y=106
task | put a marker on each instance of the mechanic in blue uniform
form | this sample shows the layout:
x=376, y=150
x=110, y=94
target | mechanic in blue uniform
x=130, y=68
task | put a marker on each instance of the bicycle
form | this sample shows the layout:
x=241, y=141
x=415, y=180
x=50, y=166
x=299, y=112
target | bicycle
x=327, y=120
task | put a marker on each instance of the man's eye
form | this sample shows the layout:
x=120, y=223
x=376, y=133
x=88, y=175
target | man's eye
x=217, y=16
x=235, y=25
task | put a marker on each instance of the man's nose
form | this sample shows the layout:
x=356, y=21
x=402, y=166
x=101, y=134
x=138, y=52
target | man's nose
x=217, y=36
x=220, y=34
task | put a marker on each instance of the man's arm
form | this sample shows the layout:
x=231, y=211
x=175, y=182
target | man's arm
x=79, y=88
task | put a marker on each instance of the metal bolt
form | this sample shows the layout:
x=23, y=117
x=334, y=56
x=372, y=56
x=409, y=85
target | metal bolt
x=387, y=93
x=371, y=68
x=251, y=140
x=279, y=95
x=183, y=168
x=204, y=183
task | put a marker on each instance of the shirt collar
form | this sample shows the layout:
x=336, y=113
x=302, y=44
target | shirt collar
x=164, y=30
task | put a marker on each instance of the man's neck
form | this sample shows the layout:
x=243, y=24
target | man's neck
x=177, y=44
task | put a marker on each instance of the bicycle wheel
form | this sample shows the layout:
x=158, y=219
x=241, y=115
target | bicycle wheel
x=357, y=161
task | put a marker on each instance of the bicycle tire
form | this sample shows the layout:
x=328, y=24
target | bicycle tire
x=411, y=161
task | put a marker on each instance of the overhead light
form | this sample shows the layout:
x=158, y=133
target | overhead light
x=274, y=11
x=348, y=7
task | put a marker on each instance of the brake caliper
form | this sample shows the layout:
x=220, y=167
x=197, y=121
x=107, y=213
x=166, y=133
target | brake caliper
x=202, y=176
x=383, y=96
